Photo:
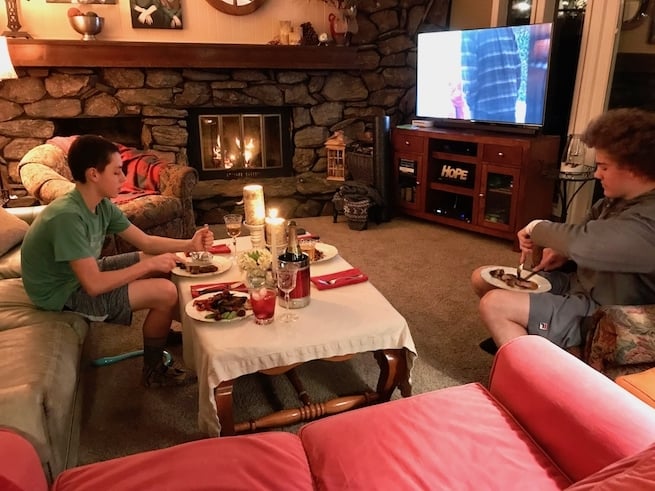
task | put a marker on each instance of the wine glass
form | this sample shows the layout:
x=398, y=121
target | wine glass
x=286, y=281
x=233, y=226
x=574, y=155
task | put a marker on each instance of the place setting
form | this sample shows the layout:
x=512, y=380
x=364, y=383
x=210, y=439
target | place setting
x=515, y=279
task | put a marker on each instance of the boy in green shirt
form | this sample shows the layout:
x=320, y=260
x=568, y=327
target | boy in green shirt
x=62, y=268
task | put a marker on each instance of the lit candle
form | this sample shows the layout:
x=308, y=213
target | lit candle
x=253, y=204
x=275, y=231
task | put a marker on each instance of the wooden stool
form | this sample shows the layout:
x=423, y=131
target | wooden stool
x=641, y=385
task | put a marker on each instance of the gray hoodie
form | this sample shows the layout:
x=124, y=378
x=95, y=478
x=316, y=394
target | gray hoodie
x=614, y=248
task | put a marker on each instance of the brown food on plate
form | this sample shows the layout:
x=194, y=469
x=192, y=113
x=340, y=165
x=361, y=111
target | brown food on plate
x=512, y=280
x=198, y=268
x=223, y=302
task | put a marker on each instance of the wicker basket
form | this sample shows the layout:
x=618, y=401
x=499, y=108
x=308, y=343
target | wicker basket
x=360, y=166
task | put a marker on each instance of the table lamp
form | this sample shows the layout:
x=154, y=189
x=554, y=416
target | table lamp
x=6, y=66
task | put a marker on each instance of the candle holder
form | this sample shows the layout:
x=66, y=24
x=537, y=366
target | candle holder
x=256, y=235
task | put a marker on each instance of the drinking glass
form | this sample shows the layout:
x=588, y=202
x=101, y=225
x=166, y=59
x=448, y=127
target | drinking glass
x=573, y=157
x=263, y=300
x=233, y=226
x=286, y=281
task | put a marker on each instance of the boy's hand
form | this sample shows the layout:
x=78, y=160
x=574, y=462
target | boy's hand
x=163, y=263
x=202, y=240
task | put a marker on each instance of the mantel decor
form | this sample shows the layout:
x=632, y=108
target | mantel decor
x=13, y=22
x=60, y=53
x=236, y=7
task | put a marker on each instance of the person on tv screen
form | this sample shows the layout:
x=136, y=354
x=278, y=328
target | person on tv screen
x=610, y=253
x=491, y=74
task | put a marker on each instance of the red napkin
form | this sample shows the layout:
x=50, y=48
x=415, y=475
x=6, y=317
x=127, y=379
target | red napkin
x=350, y=277
x=197, y=290
x=220, y=249
x=216, y=249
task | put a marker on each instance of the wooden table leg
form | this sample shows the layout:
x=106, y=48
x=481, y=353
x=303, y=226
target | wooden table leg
x=223, y=398
x=393, y=373
x=293, y=377
x=307, y=413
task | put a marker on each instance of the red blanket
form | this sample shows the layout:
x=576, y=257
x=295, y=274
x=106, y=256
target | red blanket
x=141, y=170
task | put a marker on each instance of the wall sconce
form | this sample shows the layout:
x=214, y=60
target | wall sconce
x=6, y=66
x=13, y=22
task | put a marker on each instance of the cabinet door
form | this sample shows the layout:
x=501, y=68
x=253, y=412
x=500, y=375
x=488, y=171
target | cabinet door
x=498, y=195
x=409, y=181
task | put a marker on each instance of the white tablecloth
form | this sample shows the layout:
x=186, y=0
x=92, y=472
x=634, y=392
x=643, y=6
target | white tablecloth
x=340, y=321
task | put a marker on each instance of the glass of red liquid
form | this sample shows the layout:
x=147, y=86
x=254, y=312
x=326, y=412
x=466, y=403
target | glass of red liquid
x=263, y=301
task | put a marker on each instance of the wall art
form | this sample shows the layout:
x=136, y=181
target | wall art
x=156, y=14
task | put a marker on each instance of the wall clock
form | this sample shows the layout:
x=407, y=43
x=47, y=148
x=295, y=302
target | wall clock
x=236, y=7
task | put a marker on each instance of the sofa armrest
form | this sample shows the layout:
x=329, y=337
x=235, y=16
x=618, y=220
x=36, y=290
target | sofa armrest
x=621, y=335
x=177, y=180
x=577, y=415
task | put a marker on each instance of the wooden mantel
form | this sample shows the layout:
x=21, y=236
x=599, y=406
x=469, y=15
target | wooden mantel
x=62, y=53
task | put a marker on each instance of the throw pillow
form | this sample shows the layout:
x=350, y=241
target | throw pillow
x=13, y=230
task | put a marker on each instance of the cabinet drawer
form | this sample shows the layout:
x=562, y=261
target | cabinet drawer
x=502, y=154
x=407, y=143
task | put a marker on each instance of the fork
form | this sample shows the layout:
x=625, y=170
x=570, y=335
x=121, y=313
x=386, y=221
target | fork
x=334, y=280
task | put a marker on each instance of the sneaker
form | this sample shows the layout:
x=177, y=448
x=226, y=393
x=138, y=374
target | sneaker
x=174, y=338
x=489, y=346
x=167, y=376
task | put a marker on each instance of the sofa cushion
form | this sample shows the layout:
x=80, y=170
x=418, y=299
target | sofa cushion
x=21, y=469
x=268, y=461
x=40, y=364
x=17, y=310
x=629, y=474
x=10, y=264
x=13, y=231
x=458, y=437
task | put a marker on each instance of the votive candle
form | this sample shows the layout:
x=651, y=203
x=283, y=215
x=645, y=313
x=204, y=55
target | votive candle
x=253, y=204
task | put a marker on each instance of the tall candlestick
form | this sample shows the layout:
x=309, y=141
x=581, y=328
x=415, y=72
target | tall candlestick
x=253, y=204
x=276, y=235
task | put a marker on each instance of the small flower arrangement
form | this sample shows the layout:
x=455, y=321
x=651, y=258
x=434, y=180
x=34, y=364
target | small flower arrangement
x=255, y=259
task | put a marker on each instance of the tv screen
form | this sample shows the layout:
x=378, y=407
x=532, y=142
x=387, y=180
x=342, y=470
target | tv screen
x=496, y=75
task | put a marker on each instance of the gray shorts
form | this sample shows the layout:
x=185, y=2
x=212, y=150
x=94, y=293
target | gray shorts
x=557, y=315
x=113, y=306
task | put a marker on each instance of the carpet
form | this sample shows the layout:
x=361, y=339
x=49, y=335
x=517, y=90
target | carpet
x=422, y=268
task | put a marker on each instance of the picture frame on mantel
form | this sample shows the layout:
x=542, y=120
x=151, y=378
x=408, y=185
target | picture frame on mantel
x=156, y=14
x=84, y=2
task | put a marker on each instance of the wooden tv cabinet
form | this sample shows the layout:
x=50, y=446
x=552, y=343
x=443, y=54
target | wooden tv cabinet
x=487, y=182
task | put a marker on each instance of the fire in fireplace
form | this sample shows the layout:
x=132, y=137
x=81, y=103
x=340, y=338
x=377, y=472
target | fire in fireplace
x=236, y=143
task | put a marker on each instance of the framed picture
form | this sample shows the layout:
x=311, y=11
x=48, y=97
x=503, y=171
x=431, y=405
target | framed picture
x=156, y=14
x=83, y=2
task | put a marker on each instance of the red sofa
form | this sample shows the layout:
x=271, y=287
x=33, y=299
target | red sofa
x=548, y=421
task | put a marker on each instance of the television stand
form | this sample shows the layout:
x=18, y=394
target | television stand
x=483, y=181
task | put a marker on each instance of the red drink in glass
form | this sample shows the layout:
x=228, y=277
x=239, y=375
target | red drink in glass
x=263, y=304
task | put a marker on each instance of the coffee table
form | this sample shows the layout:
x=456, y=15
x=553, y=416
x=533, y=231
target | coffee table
x=337, y=324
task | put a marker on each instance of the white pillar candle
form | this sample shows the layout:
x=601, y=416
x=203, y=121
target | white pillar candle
x=276, y=235
x=253, y=204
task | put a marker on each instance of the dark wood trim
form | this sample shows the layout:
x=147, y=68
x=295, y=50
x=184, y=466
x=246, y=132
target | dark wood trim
x=635, y=63
x=60, y=53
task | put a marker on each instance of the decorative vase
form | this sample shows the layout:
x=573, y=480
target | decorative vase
x=256, y=278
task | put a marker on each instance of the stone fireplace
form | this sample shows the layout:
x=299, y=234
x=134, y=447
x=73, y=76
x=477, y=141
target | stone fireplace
x=159, y=86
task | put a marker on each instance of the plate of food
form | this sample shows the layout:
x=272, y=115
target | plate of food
x=206, y=265
x=224, y=306
x=505, y=277
x=324, y=252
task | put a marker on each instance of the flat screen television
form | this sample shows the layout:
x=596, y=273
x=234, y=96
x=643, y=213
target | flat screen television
x=493, y=76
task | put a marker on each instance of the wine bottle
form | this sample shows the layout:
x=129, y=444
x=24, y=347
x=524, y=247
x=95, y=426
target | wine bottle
x=295, y=258
x=292, y=253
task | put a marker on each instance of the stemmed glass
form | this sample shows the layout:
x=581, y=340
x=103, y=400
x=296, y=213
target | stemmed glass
x=286, y=281
x=233, y=226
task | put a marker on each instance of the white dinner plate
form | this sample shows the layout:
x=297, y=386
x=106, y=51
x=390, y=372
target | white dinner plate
x=201, y=315
x=543, y=285
x=329, y=251
x=222, y=263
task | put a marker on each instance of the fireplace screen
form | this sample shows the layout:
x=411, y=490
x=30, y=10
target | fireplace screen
x=241, y=144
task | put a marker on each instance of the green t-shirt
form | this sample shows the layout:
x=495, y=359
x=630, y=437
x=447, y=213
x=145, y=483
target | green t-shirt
x=64, y=231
